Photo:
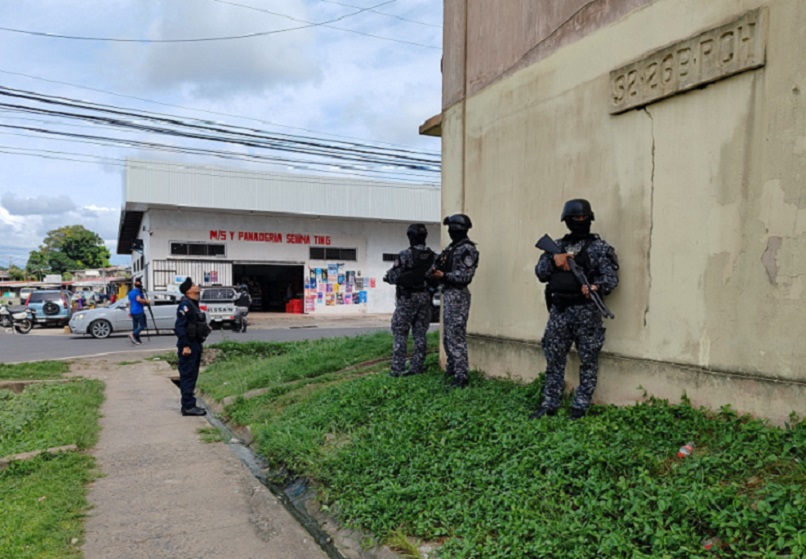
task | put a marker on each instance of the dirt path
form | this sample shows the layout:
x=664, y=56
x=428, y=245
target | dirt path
x=164, y=493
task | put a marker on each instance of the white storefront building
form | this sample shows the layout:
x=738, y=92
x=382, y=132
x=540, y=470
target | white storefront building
x=321, y=243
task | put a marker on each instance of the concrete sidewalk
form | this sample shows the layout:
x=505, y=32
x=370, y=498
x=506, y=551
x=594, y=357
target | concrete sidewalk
x=165, y=494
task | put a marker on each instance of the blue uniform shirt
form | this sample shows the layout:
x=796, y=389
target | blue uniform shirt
x=135, y=307
x=185, y=312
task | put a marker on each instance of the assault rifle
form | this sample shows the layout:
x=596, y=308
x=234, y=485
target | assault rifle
x=440, y=263
x=547, y=243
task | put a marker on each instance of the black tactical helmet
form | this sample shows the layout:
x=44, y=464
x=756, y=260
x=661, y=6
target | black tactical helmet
x=243, y=287
x=457, y=222
x=577, y=207
x=417, y=230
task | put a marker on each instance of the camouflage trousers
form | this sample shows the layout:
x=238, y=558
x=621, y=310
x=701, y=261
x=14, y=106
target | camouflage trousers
x=456, y=310
x=412, y=312
x=580, y=325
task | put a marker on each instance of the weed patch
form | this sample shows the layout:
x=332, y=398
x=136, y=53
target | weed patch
x=44, y=503
x=41, y=370
x=255, y=365
x=404, y=460
x=44, y=499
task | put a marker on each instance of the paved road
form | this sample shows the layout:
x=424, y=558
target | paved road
x=45, y=344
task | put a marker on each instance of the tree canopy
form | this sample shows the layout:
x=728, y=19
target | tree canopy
x=72, y=247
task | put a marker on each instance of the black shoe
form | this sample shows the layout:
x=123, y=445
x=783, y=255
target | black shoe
x=541, y=412
x=395, y=374
x=195, y=410
x=576, y=413
x=458, y=382
x=410, y=373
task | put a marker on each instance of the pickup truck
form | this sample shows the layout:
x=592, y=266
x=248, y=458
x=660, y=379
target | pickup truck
x=219, y=304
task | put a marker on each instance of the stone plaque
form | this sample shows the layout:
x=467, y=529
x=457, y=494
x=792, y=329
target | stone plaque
x=708, y=57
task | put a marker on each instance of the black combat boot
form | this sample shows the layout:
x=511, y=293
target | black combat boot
x=576, y=413
x=195, y=410
x=542, y=412
x=458, y=382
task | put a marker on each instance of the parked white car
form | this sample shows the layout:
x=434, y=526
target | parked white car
x=101, y=323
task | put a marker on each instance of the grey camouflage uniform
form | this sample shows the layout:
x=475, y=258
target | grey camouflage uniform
x=412, y=312
x=578, y=324
x=456, y=306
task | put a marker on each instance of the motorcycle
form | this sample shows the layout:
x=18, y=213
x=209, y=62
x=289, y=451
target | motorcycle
x=21, y=321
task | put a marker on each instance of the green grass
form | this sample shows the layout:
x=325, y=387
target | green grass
x=210, y=435
x=44, y=499
x=48, y=415
x=261, y=364
x=402, y=457
x=40, y=370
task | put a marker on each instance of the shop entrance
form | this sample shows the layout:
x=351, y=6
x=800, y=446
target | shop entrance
x=271, y=285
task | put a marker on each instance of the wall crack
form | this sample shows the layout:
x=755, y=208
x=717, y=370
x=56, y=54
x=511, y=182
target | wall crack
x=651, y=217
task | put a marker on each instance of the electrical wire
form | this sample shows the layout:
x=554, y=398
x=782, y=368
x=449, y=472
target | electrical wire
x=205, y=111
x=385, y=14
x=219, y=173
x=198, y=123
x=331, y=26
x=252, y=35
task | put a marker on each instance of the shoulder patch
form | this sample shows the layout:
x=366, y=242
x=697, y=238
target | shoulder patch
x=469, y=260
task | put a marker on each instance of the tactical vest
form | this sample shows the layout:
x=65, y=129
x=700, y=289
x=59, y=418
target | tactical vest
x=197, y=326
x=414, y=279
x=563, y=290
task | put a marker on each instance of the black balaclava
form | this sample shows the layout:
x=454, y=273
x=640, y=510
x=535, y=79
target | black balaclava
x=415, y=239
x=579, y=229
x=457, y=234
x=417, y=234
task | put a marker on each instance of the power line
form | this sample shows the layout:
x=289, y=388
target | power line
x=330, y=26
x=197, y=123
x=228, y=173
x=346, y=161
x=385, y=14
x=348, y=155
x=218, y=113
x=252, y=35
x=108, y=142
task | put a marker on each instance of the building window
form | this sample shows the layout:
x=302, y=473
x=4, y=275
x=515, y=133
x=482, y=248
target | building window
x=197, y=249
x=389, y=257
x=331, y=253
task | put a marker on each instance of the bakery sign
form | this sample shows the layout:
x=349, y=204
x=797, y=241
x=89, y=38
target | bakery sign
x=269, y=237
x=710, y=56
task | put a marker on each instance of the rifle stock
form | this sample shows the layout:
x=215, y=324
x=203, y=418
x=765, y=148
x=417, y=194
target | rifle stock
x=547, y=244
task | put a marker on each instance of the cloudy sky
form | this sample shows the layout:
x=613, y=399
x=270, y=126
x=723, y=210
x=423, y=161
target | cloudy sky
x=362, y=69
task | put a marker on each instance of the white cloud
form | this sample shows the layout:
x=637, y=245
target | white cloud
x=318, y=79
x=38, y=205
x=221, y=69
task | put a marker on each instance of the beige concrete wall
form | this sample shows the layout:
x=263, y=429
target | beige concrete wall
x=534, y=29
x=702, y=194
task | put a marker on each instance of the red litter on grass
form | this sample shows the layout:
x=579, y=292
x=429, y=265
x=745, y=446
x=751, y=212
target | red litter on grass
x=685, y=450
x=712, y=544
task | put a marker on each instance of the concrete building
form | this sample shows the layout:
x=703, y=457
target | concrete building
x=684, y=123
x=323, y=242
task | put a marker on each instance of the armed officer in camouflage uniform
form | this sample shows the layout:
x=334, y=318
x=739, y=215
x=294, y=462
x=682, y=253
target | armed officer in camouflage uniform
x=412, y=301
x=454, y=270
x=573, y=318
